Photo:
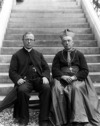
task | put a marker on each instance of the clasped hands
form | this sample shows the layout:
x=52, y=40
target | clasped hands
x=22, y=81
x=68, y=79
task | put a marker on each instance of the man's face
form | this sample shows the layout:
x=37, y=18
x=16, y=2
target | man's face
x=28, y=41
x=67, y=42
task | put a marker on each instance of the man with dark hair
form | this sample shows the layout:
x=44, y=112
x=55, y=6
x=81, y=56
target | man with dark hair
x=29, y=71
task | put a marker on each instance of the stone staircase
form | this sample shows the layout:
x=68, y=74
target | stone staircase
x=47, y=19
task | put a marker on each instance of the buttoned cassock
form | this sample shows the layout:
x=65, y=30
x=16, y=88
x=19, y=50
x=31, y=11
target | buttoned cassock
x=82, y=103
x=18, y=69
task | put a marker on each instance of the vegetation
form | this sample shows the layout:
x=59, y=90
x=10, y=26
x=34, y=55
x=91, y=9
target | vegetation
x=6, y=118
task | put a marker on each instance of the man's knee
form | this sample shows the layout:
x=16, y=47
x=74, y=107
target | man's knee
x=78, y=85
x=46, y=87
x=57, y=87
x=22, y=88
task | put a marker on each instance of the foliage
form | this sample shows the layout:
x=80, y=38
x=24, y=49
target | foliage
x=6, y=118
x=96, y=5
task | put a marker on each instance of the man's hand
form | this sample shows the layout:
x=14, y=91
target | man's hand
x=45, y=80
x=74, y=78
x=68, y=79
x=21, y=81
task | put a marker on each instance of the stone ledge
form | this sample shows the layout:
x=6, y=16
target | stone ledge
x=4, y=18
x=92, y=18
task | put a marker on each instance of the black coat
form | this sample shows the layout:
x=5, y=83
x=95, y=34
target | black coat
x=18, y=68
x=19, y=64
x=77, y=59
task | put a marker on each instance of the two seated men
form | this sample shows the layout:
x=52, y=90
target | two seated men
x=71, y=90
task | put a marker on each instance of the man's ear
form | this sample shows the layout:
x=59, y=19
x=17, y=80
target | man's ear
x=72, y=42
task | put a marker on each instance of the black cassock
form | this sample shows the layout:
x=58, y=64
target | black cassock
x=23, y=65
x=9, y=99
x=78, y=101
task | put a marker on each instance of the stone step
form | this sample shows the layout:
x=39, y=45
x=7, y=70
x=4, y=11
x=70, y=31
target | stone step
x=95, y=58
x=19, y=8
x=95, y=77
x=48, y=3
x=68, y=10
x=45, y=6
x=6, y=88
x=53, y=17
x=46, y=25
x=97, y=87
x=47, y=20
x=49, y=37
x=65, y=0
x=34, y=97
x=4, y=67
x=49, y=51
x=11, y=85
x=80, y=43
x=46, y=30
x=38, y=1
x=93, y=67
x=92, y=59
x=46, y=14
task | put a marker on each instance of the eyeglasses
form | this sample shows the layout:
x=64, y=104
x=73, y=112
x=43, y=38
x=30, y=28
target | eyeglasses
x=29, y=39
x=68, y=40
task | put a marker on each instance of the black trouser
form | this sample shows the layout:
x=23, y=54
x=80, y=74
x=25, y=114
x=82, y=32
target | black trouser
x=21, y=110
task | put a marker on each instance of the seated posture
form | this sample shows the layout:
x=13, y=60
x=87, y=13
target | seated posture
x=74, y=98
x=29, y=71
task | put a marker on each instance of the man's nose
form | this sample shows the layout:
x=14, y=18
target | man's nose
x=67, y=42
x=29, y=40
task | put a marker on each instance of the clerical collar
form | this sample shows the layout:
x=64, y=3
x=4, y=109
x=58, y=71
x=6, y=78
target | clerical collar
x=28, y=50
x=71, y=50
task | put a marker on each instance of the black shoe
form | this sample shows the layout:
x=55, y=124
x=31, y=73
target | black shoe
x=43, y=123
x=16, y=120
x=23, y=123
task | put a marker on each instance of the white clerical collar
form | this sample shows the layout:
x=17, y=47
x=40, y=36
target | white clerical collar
x=28, y=50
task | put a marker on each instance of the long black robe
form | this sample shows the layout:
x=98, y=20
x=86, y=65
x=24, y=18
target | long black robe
x=18, y=69
x=77, y=102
